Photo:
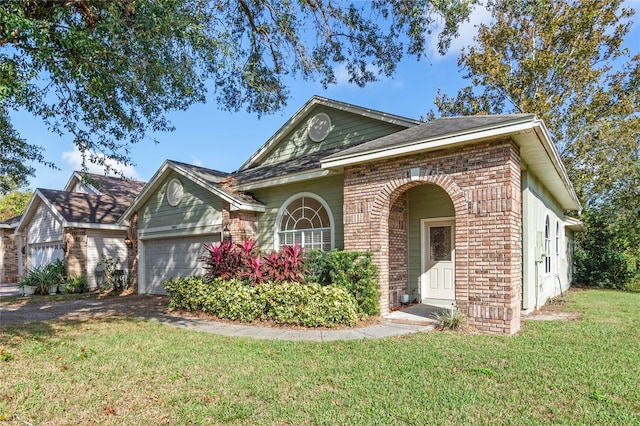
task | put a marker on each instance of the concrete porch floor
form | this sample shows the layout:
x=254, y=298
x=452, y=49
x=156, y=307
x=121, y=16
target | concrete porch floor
x=414, y=314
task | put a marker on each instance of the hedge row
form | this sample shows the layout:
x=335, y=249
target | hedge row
x=310, y=305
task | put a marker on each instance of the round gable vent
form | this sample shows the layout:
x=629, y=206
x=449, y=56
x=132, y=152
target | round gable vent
x=319, y=127
x=175, y=192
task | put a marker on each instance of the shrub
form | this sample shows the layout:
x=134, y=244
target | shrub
x=233, y=299
x=308, y=305
x=188, y=293
x=601, y=259
x=353, y=271
x=450, y=319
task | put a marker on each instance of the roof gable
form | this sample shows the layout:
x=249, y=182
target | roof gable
x=217, y=182
x=92, y=183
x=346, y=125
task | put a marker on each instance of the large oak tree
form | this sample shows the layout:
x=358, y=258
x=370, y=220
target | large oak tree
x=565, y=62
x=106, y=71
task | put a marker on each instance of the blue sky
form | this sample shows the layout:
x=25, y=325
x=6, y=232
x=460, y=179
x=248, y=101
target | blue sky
x=209, y=137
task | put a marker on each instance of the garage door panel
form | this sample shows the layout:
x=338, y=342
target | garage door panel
x=171, y=258
x=43, y=254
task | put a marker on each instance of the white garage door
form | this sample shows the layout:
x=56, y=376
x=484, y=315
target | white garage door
x=44, y=253
x=172, y=257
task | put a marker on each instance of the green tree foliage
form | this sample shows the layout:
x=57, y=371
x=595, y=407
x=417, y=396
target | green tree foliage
x=106, y=72
x=565, y=62
x=13, y=203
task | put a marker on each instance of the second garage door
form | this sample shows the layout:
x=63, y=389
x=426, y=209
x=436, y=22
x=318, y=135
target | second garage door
x=172, y=257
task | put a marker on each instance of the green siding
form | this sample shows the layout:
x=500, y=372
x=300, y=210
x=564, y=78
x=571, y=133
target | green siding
x=347, y=129
x=198, y=206
x=423, y=202
x=328, y=188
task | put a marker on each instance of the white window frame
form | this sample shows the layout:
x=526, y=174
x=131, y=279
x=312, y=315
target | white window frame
x=547, y=245
x=283, y=208
x=558, y=245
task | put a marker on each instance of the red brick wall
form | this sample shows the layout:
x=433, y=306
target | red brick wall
x=132, y=252
x=398, y=276
x=10, y=257
x=483, y=181
x=242, y=225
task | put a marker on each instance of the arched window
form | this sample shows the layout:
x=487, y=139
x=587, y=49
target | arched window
x=547, y=246
x=305, y=219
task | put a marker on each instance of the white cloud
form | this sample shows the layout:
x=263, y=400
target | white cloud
x=196, y=161
x=466, y=32
x=74, y=160
x=342, y=75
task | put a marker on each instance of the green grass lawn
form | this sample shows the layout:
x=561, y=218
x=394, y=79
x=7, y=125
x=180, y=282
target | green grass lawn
x=135, y=372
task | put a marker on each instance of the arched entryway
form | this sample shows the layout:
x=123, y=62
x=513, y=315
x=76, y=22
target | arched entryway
x=423, y=249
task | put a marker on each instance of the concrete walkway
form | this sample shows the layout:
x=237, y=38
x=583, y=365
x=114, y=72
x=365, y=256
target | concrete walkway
x=153, y=308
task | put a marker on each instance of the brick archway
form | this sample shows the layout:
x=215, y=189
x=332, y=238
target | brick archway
x=380, y=212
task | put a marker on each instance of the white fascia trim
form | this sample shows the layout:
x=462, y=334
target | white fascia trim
x=28, y=214
x=554, y=157
x=282, y=180
x=102, y=226
x=574, y=224
x=429, y=144
x=317, y=100
x=78, y=177
x=189, y=229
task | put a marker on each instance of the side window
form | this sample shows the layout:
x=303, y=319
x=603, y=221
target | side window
x=547, y=246
x=305, y=219
x=558, y=243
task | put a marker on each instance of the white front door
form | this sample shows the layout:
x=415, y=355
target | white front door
x=437, y=281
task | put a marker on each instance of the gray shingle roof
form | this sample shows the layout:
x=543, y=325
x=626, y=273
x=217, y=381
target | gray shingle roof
x=438, y=128
x=295, y=165
x=12, y=221
x=221, y=180
x=113, y=185
x=87, y=208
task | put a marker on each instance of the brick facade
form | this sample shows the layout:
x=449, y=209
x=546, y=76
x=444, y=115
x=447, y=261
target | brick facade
x=75, y=254
x=9, y=257
x=242, y=225
x=397, y=248
x=132, y=252
x=483, y=182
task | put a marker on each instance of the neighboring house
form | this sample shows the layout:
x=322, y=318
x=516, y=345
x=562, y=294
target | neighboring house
x=8, y=251
x=464, y=210
x=78, y=225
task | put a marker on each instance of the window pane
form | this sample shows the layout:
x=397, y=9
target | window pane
x=440, y=243
x=306, y=222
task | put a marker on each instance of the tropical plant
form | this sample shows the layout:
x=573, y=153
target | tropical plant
x=247, y=262
x=45, y=276
x=76, y=284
